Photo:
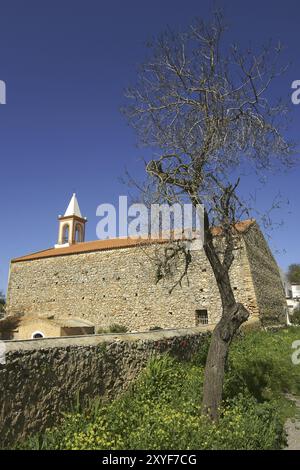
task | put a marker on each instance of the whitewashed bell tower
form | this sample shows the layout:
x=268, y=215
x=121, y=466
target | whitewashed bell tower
x=71, y=225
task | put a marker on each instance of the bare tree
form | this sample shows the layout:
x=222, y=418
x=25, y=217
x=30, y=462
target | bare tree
x=205, y=113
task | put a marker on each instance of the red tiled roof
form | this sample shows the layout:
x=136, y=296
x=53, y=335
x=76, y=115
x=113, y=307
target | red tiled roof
x=240, y=227
x=86, y=247
x=112, y=244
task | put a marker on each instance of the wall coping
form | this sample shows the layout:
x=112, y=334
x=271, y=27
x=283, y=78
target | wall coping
x=94, y=340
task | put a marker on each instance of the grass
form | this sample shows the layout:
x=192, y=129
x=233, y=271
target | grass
x=162, y=408
x=114, y=328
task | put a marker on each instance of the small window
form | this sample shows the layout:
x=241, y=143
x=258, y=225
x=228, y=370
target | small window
x=201, y=317
x=37, y=335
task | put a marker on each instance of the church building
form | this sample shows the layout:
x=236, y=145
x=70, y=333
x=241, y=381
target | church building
x=106, y=282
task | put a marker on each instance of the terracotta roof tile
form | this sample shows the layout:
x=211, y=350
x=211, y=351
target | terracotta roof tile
x=240, y=227
x=86, y=247
x=112, y=244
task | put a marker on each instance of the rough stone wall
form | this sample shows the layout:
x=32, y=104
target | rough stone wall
x=43, y=378
x=267, y=282
x=118, y=286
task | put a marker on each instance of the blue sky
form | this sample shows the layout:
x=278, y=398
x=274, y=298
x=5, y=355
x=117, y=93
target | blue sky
x=65, y=64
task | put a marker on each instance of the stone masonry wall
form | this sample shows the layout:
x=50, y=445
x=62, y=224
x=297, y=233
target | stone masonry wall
x=118, y=286
x=42, y=378
x=267, y=283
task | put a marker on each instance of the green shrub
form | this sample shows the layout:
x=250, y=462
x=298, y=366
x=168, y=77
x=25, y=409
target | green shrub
x=162, y=409
x=295, y=318
x=261, y=363
x=114, y=328
x=101, y=330
x=8, y=325
x=155, y=414
x=2, y=302
x=199, y=358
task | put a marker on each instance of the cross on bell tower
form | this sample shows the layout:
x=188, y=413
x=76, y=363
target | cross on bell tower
x=71, y=225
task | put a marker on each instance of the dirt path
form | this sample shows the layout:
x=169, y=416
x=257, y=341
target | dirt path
x=292, y=427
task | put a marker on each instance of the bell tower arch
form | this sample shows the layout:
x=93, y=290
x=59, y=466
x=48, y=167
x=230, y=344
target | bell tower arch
x=71, y=225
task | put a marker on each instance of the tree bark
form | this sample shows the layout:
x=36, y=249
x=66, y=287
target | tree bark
x=233, y=315
x=222, y=336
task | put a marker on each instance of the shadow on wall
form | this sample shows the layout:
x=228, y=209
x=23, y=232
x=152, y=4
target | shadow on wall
x=8, y=326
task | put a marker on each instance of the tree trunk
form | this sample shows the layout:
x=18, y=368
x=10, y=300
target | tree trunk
x=233, y=315
x=231, y=320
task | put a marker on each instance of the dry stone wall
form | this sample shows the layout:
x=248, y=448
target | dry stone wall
x=268, y=287
x=42, y=378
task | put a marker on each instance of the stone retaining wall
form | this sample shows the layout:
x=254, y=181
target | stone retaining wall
x=42, y=378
